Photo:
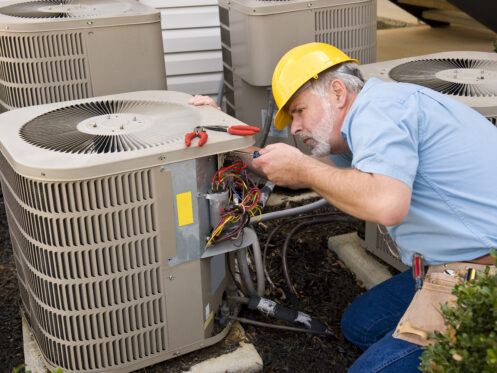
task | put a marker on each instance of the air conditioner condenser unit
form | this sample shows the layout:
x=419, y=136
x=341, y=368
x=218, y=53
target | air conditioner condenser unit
x=255, y=34
x=108, y=218
x=61, y=50
x=470, y=77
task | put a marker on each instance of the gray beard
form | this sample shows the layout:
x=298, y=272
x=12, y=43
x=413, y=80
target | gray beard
x=321, y=135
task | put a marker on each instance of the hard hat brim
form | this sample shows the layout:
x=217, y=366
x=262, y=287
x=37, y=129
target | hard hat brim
x=282, y=119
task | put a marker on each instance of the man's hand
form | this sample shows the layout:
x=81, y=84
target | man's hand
x=373, y=197
x=282, y=164
x=199, y=100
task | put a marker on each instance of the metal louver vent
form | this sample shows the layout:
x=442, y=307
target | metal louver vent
x=63, y=9
x=452, y=76
x=106, y=126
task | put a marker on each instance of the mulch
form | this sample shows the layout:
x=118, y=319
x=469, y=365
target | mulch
x=325, y=287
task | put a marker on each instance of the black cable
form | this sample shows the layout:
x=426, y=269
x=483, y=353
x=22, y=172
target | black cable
x=277, y=228
x=238, y=285
x=274, y=326
x=284, y=250
x=267, y=120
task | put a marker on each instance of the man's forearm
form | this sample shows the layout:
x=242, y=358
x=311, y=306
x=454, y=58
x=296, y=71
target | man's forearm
x=366, y=196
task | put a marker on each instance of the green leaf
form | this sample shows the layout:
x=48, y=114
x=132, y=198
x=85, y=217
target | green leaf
x=473, y=348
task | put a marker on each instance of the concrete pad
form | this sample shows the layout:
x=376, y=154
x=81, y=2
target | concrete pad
x=388, y=10
x=422, y=39
x=366, y=269
x=245, y=359
x=33, y=360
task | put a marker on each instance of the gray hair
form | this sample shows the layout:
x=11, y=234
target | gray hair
x=347, y=72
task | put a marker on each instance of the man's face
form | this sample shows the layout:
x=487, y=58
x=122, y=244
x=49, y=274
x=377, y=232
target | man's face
x=313, y=119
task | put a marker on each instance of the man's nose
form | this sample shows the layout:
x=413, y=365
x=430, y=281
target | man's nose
x=296, y=126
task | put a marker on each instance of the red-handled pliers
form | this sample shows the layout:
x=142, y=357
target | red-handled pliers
x=237, y=129
x=197, y=132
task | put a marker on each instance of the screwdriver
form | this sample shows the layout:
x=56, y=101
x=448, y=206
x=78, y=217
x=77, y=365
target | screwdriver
x=470, y=274
x=418, y=270
x=255, y=154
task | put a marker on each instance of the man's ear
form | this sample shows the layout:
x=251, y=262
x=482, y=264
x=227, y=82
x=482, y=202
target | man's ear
x=338, y=93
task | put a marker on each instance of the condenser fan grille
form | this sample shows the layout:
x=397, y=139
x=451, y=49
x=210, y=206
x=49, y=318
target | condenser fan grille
x=108, y=126
x=62, y=9
x=452, y=76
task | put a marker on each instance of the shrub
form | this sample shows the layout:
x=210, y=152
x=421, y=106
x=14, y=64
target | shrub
x=470, y=342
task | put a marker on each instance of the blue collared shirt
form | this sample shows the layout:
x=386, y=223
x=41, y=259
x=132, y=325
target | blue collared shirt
x=445, y=152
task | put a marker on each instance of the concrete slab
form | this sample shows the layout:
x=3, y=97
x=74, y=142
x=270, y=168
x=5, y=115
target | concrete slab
x=245, y=359
x=388, y=10
x=366, y=269
x=33, y=360
x=422, y=39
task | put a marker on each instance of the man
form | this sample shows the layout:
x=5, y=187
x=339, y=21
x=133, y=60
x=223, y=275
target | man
x=419, y=162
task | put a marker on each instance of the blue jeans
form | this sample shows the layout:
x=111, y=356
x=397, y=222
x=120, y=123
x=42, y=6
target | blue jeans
x=370, y=321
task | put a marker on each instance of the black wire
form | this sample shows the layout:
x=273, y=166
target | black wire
x=273, y=232
x=231, y=261
x=284, y=250
x=275, y=326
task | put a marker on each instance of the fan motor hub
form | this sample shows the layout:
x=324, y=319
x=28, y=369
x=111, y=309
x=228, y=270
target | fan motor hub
x=63, y=8
x=468, y=76
x=114, y=124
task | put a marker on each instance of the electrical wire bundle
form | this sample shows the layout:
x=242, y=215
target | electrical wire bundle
x=242, y=204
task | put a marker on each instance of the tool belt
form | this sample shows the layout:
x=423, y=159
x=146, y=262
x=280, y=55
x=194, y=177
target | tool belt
x=424, y=315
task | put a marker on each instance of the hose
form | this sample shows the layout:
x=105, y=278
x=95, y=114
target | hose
x=267, y=120
x=259, y=270
x=220, y=93
x=259, y=267
x=241, y=256
x=289, y=212
x=271, y=308
x=273, y=232
x=284, y=251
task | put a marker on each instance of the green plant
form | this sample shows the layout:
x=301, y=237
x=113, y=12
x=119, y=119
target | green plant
x=470, y=342
x=20, y=369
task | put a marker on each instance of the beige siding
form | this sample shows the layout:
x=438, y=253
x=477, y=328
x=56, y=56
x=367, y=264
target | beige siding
x=192, y=44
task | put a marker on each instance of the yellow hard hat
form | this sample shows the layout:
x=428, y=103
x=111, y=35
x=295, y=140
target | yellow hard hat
x=297, y=67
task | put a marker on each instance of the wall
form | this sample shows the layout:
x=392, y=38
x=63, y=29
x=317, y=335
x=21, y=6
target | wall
x=192, y=44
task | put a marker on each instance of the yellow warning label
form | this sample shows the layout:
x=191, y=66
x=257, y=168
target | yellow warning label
x=185, y=208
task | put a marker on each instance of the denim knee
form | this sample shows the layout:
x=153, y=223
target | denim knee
x=364, y=331
x=388, y=355
x=377, y=311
